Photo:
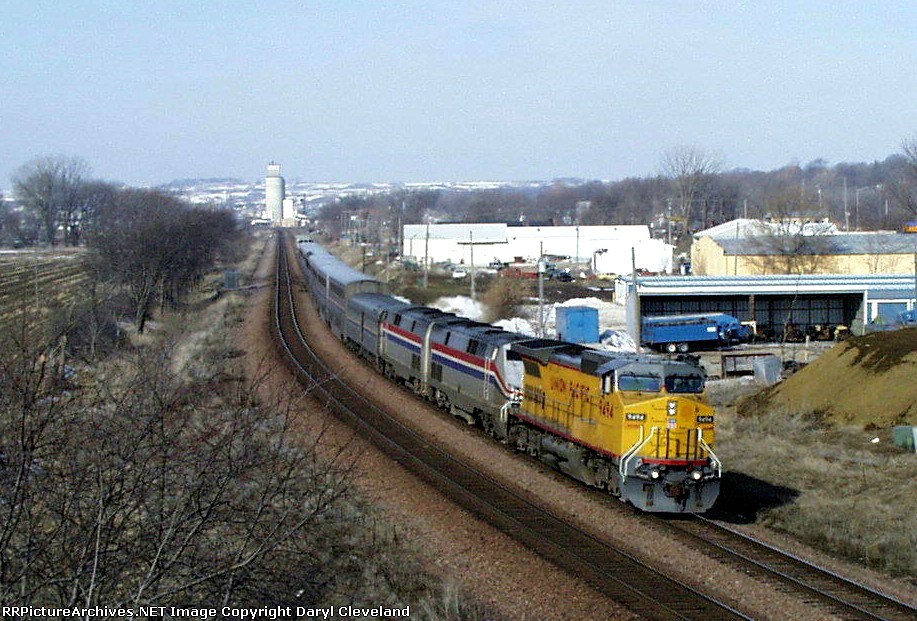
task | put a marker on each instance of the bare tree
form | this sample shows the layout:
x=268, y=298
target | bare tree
x=791, y=241
x=84, y=202
x=156, y=246
x=902, y=187
x=141, y=489
x=689, y=168
x=50, y=187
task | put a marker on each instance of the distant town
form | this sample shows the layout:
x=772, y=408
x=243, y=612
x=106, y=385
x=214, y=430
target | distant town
x=248, y=197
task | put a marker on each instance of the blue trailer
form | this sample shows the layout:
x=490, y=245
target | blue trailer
x=682, y=333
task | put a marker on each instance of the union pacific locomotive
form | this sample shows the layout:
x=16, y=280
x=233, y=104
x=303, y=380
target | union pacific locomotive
x=636, y=425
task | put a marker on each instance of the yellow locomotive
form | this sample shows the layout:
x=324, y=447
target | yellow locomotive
x=637, y=425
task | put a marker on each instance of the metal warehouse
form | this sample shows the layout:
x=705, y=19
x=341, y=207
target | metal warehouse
x=808, y=304
x=608, y=249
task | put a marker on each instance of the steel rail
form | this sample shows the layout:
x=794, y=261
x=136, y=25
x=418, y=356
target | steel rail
x=644, y=590
x=847, y=597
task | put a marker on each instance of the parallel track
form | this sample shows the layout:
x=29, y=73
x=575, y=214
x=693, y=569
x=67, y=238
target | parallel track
x=847, y=599
x=642, y=589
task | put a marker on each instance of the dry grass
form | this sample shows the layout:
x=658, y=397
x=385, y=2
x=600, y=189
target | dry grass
x=840, y=491
x=365, y=560
x=505, y=297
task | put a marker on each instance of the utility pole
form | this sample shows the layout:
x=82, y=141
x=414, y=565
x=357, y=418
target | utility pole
x=541, y=289
x=846, y=211
x=471, y=270
x=400, y=235
x=668, y=222
x=426, y=259
x=638, y=321
x=735, y=263
x=576, y=260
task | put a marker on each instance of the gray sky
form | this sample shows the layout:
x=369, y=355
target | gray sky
x=344, y=90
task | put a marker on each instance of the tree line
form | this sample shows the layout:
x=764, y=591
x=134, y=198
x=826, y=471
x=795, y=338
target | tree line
x=144, y=482
x=691, y=190
x=150, y=244
x=163, y=474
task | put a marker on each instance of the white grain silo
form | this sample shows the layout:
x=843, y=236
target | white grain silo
x=274, y=193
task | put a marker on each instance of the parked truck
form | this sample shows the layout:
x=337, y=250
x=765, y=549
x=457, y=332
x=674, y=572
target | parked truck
x=683, y=333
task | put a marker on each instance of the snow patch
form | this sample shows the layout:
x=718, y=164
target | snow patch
x=617, y=340
x=461, y=305
x=519, y=325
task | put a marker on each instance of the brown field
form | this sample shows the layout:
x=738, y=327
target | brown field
x=32, y=284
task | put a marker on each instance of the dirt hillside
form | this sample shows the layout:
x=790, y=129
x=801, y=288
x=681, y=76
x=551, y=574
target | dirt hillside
x=865, y=380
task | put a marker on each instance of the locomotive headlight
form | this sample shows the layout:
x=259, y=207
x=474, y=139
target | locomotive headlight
x=654, y=474
x=696, y=475
x=673, y=408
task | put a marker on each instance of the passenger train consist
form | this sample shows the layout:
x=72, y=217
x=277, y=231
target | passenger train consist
x=636, y=425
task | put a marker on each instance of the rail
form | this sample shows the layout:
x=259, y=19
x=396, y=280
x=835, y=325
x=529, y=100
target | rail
x=846, y=598
x=646, y=591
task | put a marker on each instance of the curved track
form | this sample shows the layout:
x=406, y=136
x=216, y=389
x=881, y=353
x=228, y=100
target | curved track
x=848, y=599
x=644, y=590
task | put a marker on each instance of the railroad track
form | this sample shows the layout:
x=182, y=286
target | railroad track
x=644, y=590
x=839, y=595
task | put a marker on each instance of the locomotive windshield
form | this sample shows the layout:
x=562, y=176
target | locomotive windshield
x=639, y=383
x=684, y=383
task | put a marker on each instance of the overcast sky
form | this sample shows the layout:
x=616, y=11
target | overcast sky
x=346, y=90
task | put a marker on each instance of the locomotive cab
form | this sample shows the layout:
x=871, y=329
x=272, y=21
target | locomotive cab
x=640, y=424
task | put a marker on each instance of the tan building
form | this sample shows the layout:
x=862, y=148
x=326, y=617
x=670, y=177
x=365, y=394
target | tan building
x=853, y=253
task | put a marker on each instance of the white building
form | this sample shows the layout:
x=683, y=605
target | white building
x=289, y=209
x=608, y=247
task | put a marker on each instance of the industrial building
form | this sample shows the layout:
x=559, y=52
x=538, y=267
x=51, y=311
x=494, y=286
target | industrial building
x=274, y=194
x=750, y=247
x=605, y=249
x=778, y=305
